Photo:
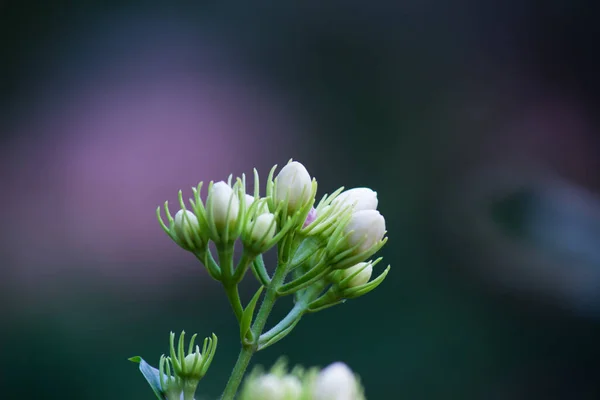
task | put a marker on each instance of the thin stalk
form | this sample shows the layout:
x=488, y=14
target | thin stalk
x=293, y=316
x=248, y=350
x=188, y=394
x=295, y=313
x=233, y=295
x=229, y=284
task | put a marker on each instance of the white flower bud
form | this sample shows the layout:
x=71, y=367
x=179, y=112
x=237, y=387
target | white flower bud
x=361, y=198
x=225, y=205
x=249, y=200
x=261, y=208
x=186, y=223
x=262, y=229
x=366, y=270
x=292, y=387
x=336, y=382
x=294, y=185
x=310, y=218
x=192, y=364
x=267, y=387
x=367, y=227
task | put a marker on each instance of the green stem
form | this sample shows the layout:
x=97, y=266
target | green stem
x=211, y=265
x=229, y=284
x=259, y=323
x=233, y=295
x=295, y=313
x=260, y=272
x=188, y=394
x=242, y=267
x=292, y=318
x=238, y=372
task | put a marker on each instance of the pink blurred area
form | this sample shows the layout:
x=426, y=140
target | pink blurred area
x=94, y=153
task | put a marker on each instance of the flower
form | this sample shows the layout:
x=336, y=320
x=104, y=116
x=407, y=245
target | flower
x=310, y=218
x=358, y=274
x=224, y=206
x=249, y=200
x=292, y=387
x=267, y=387
x=361, y=198
x=187, y=229
x=192, y=363
x=262, y=230
x=336, y=382
x=193, y=366
x=365, y=229
x=294, y=186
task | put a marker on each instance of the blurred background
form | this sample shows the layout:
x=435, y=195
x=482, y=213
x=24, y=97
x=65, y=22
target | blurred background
x=476, y=123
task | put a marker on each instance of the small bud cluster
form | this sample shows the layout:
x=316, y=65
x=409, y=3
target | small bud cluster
x=179, y=373
x=229, y=214
x=335, y=382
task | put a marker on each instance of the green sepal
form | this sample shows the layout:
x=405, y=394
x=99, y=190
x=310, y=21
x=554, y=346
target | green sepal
x=346, y=259
x=307, y=279
x=361, y=290
x=325, y=306
x=307, y=248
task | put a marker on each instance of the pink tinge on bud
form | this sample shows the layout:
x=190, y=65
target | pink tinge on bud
x=312, y=215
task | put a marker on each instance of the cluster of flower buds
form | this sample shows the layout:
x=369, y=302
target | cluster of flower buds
x=324, y=248
x=339, y=236
x=230, y=214
x=335, y=382
x=340, y=233
x=179, y=373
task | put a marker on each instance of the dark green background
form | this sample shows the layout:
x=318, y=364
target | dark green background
x=404, y=96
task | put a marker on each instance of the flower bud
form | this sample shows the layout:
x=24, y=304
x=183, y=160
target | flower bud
x=336, y=382
x=292, y=387
x=261, y=208
x=225, y=205
x=365, y=229
x=249, y=200
x=361, y=198
x=293, y=184
x=192, y=364
x=310, y=218
x=267, y=387
x=186, y=224
x=363, y=273
x=262, y=229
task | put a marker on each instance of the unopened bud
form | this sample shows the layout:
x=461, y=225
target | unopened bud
x=362, y=274
x=187, y=229
x=225, y=205
x=267, y=387
x=192, y=364
x=336, y=382
x=365, y=228
x=293, y=184
x=292, y=387
x=262, y=229
x=310, y=218
x=359, y=198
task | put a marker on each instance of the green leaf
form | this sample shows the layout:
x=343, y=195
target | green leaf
x=248, y=313
x=151, y=374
